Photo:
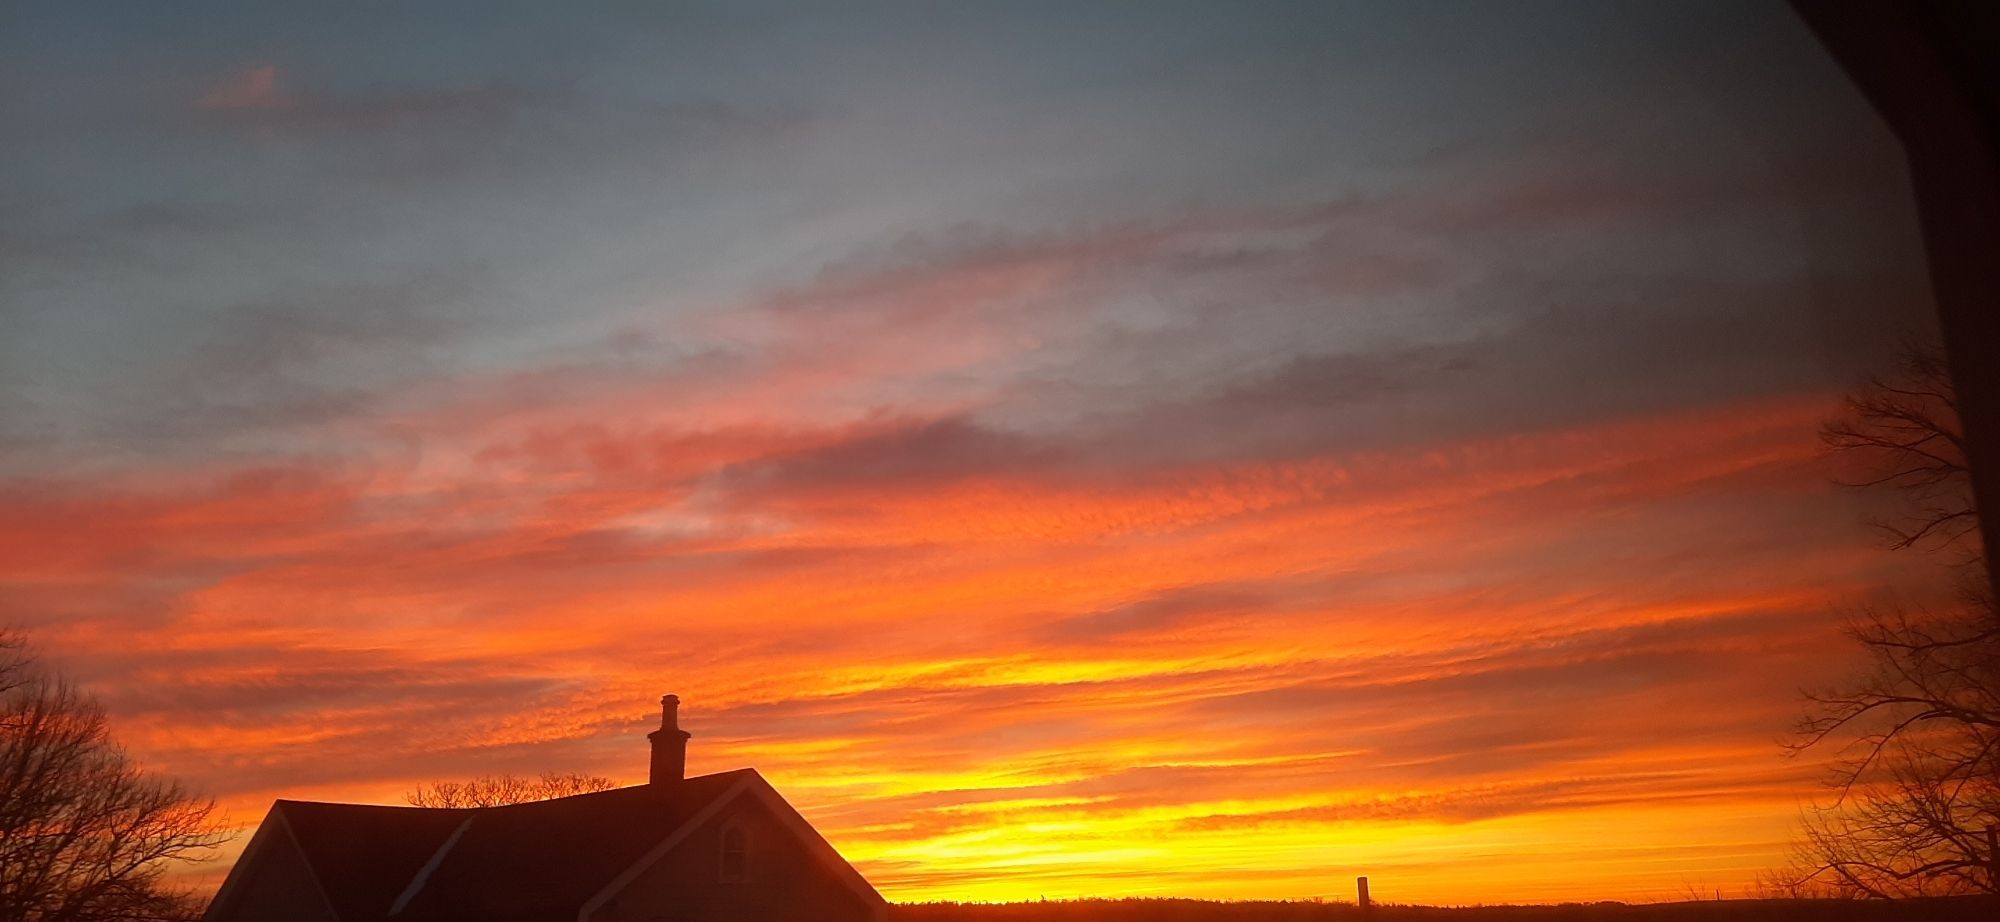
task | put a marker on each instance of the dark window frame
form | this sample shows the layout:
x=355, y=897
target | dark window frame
x=733, y=853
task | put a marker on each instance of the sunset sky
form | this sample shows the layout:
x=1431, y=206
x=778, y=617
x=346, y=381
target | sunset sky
x=1202, y=449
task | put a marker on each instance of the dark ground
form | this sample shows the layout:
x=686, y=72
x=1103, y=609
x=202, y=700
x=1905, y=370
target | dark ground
x=1950, y=909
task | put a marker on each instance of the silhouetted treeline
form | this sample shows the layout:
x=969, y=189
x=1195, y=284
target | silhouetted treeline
x=1943, y=909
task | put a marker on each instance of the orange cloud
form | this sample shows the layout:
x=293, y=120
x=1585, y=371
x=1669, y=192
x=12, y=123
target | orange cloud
x=993, y=671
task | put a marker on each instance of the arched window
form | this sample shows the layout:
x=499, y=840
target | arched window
x=735, y=854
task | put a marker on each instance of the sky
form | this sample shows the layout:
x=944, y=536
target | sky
x=1197, y=449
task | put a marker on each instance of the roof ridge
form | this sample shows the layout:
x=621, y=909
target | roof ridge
x=409, y=807
x=413, y=808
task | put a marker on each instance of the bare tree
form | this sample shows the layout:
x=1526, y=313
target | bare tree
x=1917, y=781
x=496, y=790
x=1904, y=429
x=85, y=836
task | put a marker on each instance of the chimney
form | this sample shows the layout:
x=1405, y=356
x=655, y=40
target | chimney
x=670, y=744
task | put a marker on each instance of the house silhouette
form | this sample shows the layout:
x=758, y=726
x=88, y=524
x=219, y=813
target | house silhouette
x=711, y=848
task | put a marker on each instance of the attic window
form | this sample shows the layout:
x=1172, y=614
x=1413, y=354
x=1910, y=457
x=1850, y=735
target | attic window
x=735, y=854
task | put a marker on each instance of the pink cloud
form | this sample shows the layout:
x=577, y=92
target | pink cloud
x=251, y=88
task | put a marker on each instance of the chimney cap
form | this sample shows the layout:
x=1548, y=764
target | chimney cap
x=670, y=715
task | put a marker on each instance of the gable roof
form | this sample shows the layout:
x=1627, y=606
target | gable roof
x=533, y=861
x=542, y=860
x=363, y=855
x=753, y=786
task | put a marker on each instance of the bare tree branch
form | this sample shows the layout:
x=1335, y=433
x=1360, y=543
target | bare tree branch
x=1917, y=781
x=85, y=836
x=497, y=790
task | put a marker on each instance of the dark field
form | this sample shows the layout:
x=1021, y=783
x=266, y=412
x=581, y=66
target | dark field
x=1951, y=909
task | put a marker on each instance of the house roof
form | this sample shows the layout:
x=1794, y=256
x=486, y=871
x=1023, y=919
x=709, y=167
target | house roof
x=533, y=861
x=365, y=855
